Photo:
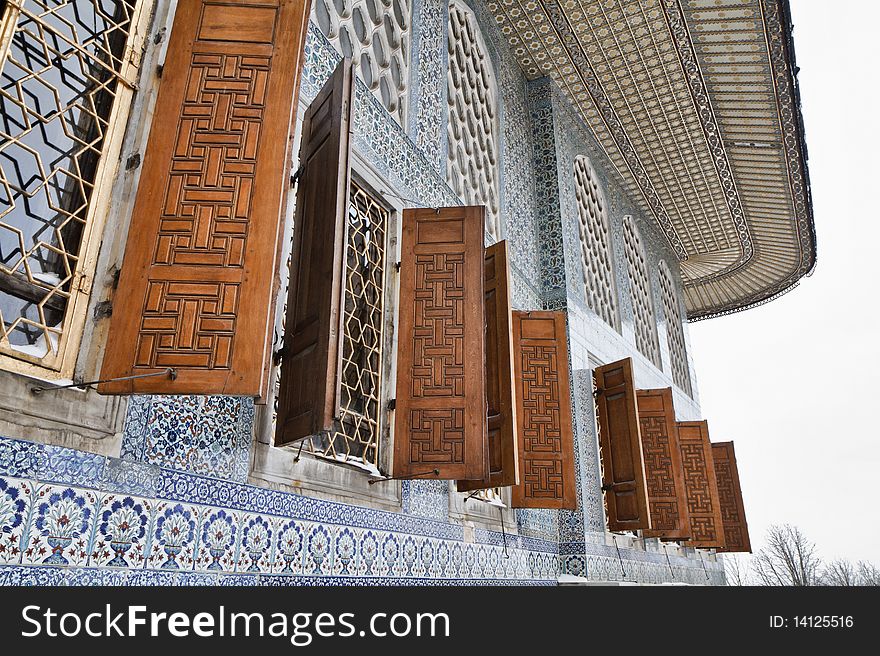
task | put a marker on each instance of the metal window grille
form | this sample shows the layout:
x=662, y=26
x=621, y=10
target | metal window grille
x=66, y=77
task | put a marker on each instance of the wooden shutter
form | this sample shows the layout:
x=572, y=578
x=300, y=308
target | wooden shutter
x=667, y=502
x=503, y=453
x=196, y=291
x=543, y=412
x=701, y=489
x=733, y=512
x=623, y=469
x=308, y=400
x=440, y=422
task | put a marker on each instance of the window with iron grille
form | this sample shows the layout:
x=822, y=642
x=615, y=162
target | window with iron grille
x=66, y=78
x=640, y=293
x=356, y=436
x=674, y=331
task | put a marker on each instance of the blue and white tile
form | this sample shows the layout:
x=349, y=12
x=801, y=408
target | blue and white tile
x=14, y=506
x=346, y=551
x=174, y=535
x=390, y=553
x=21, y=459
x=219, y=538
x=319, y=549
x=290, y=546
x=72, y=467
x=87, y=576
x=129, y=477
x=256, y=544
x=165, y=579
x=369, y=548
x=61, y=526
x=123, y=524
x=409, y=553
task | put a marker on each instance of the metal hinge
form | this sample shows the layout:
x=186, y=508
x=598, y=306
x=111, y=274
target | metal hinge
x=134, y=56
x=84, y=285
x=392, y=404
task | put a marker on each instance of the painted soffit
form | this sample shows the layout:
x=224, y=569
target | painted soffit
x=695, y=103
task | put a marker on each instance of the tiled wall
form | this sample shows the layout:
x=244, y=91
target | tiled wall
x=86, y=519
x=176, y=507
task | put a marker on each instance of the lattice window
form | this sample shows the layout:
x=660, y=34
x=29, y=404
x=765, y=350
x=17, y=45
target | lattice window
x=376, y=35
x=640, y=292
x=64, y=87
x=356, y=437
x=674, y=331
x=595, y=242
x=472, y=130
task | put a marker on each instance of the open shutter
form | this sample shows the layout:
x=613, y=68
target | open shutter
x=501, y=421
x=440, y=423
x=701, y=489
x=667, y=502
x=623, y=469
x=543, y=412
x=310, y=365
x=733, y=512
x=198, y=280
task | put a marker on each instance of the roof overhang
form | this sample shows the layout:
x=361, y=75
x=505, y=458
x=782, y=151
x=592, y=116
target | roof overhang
x=695, y=103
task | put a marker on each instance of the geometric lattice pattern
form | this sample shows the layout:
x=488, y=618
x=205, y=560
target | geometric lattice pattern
x=674, y=331
x=438, y=337
x=60, y=81
x=187, y=323
x=699, y=497
x=472, y=131
x=211, y=184
x=206, y=211
x=356, y=436
x=437, y=436
x=542, y=438
x=658, y=461
x=375, y=35
x=640, y=292
x=728, y=499
x=595, y=242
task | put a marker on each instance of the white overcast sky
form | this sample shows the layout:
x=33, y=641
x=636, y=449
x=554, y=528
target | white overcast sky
x=796, y=383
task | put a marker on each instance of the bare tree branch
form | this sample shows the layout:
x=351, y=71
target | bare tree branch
x=736, y=569
x=840, y=572
x=789, y=559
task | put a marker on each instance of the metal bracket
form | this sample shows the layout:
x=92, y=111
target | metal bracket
x=433, y=472
x=297, y=176
x=171, y=373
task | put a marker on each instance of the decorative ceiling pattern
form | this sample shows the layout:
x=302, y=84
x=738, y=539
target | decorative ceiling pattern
x=696, y=107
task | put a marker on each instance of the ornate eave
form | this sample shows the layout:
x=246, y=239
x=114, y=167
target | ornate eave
x=695, y=103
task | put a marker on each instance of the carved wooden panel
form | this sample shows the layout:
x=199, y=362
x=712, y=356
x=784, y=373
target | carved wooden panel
x=440, y=422
x=623, y=468
x=503, y=452
x=667, y=502
x=543, y=412
x=701, y=489
x=199, y=276
x=309, y=394
x=733, y=512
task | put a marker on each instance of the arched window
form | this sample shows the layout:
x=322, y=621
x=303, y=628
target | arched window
x=375, y=34
x=640, y=292
x=595, y=242
x=472, y=131
x=674, y=332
